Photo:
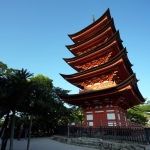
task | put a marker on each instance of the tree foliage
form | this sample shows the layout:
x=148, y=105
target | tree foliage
x=48, y=109
x=137, y=114
x=4, y=70
x=13, y=90
x=76, y=115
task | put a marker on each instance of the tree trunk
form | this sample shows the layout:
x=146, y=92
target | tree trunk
x=4, y=124
x=4, y=133
x=29, y=134
x=12, y=130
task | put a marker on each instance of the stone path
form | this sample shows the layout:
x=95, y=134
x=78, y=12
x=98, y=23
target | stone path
x=44, y=144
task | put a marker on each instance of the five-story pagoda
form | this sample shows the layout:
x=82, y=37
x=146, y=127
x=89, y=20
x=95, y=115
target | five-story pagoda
x=108, y=86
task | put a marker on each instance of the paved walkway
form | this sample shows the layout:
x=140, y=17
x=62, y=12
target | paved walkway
x=44, y=144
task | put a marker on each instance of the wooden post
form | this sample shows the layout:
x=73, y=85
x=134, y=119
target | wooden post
x=12, y=131
x=116, y=114
x=29, y=135
x=68, y=131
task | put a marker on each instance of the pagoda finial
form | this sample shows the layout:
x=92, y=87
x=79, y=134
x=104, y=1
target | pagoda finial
x=93, y=18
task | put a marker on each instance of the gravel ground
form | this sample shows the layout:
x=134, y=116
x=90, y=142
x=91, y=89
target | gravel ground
x=44, y=144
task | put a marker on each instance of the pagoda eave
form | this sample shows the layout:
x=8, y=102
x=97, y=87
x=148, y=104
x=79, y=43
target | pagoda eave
x=91, y=27
x=101, y=35
x=114, y=39
x=128, y=89
x=119, y=59
x=75, y=61
x=129, y=98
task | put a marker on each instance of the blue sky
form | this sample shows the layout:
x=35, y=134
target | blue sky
x=33, y=34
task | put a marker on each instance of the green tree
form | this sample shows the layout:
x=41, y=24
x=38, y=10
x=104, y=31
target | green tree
x=35, y=96
x=45, y=81
x=137, y=115
x=77, y=115
x=13, y=94
x=4, y=70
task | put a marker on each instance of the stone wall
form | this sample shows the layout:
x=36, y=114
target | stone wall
x=100, y=144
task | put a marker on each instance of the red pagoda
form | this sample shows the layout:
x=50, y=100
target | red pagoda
x=108, y=86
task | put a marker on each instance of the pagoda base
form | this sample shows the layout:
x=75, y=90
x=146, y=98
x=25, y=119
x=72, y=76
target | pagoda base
x=108, y=116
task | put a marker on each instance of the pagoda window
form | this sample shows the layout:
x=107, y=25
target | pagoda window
x=90, y=123
x=111, y=116
x=89, y=117
x=119, y=116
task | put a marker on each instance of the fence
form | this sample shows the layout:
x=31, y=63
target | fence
x=128, y=134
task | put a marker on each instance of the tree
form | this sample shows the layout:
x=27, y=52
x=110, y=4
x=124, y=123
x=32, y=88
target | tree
x=4, y=70
x=45, y=81
x=45, y=102
x=15, y=87
x=60, y=109
x=137, y=115
x=77, y=114
x=31, y=96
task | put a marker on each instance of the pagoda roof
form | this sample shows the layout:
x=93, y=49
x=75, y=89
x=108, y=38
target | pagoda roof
x=108, y=29
x=128, y=87
x=110, y=45
x=91, y=27
x=100, y=48
x=120, y=58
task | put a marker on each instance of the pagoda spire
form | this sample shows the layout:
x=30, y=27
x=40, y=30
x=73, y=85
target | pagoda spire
x=93, y=18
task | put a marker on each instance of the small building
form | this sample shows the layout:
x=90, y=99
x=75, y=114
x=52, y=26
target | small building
x=107, y=83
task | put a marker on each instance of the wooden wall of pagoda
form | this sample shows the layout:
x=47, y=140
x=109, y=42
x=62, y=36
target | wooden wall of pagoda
x=104, y=114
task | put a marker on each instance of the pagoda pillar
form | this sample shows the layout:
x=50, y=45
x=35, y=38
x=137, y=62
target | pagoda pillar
x=104, y=120
x=117, y=115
